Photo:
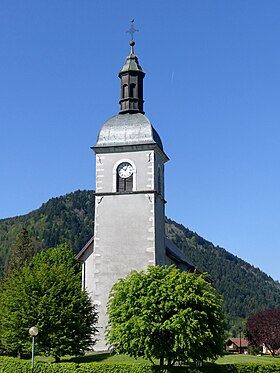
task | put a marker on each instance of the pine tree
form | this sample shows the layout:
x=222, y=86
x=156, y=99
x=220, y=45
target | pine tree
x=22, y=252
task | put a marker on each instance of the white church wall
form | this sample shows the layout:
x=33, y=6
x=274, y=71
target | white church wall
x=125, y=228
x=106, y=170
x=87, y=269
x=124, y=240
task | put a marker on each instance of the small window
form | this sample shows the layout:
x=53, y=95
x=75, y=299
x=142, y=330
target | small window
x=132, y=90
x=125, y=91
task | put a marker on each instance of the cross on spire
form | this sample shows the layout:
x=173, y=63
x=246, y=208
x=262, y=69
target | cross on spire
x=132, y=30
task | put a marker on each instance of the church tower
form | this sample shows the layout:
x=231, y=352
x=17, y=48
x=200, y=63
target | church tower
x=129, y=202
x=129, y=198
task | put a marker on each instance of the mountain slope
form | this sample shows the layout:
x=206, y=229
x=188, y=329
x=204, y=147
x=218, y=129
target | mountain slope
x=67, y=219
x=245, y=289
x=70, y=219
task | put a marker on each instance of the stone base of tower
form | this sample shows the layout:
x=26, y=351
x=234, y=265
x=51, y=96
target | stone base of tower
x=101, y=344
x=172, y=255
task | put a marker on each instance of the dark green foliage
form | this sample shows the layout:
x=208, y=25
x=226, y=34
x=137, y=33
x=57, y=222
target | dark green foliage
x=245, y=288
x=47, y=294
x=22, y=252
x=69, y=219
x=12, y=365
x=163, y=313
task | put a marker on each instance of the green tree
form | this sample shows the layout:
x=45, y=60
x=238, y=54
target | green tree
x=22, y=252
x=164, y=313
x=47, y=294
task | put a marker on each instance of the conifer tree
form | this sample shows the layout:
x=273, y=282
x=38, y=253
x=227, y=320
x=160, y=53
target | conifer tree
x=22, y=252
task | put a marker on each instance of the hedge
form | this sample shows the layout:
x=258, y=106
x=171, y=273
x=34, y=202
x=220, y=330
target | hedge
x=13, y=365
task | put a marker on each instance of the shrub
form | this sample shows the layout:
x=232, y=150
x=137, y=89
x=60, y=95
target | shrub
x=166, y=314
x=14, y=365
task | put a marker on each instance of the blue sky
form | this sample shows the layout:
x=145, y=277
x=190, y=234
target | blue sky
x=211, y=90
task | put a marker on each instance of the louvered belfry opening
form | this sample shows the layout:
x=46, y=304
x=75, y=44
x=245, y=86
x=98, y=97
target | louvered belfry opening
x=124, y=184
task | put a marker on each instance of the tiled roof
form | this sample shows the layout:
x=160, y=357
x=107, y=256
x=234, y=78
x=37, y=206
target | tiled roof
x=236, y=341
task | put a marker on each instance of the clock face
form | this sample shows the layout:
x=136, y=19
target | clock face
x=125, y=170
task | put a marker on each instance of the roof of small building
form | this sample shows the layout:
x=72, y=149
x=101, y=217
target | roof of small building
x=236, y=341
x=127, y=129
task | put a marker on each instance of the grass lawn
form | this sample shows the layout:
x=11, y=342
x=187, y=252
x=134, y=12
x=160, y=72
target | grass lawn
x=110, y=358
x=247, y=359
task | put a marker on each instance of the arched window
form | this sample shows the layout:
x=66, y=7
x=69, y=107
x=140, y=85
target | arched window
x=124, y=177
x=125, y=91
x=132, y=90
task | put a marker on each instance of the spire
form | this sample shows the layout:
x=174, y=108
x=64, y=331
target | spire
x=131, y=76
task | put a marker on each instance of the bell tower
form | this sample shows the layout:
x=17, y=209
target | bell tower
x=131, y=76
x=129, y=196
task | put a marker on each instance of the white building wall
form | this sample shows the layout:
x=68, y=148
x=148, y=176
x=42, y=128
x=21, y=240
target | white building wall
x=107, y=163
x=129, y=228
x=87, y=270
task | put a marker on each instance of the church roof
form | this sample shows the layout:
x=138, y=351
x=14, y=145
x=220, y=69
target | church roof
x=174, y=253
x=80, y=254
x=171, y=250
x=127, y=129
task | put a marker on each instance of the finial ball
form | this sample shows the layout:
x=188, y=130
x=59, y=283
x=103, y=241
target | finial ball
x=132, y=43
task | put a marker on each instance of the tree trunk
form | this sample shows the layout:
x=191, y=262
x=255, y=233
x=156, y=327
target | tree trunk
x=57, y=359
x=18, y=354
x=161, y=361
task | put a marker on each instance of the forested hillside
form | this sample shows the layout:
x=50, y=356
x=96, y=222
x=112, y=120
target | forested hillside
x=69, y=219
x=245, y=289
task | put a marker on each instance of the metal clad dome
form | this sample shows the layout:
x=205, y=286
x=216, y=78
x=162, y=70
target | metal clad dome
x=127, y=129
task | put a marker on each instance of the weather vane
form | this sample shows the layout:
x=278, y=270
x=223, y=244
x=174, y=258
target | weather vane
x=132, y=30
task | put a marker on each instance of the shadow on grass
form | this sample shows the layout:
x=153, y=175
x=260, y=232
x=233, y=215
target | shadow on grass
x=89, y=358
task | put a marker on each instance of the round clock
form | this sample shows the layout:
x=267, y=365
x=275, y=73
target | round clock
x=125, y=170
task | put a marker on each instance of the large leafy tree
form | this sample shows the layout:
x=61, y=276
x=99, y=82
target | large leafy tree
x=47, y=294
x=164, y=313
x=264, y=328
